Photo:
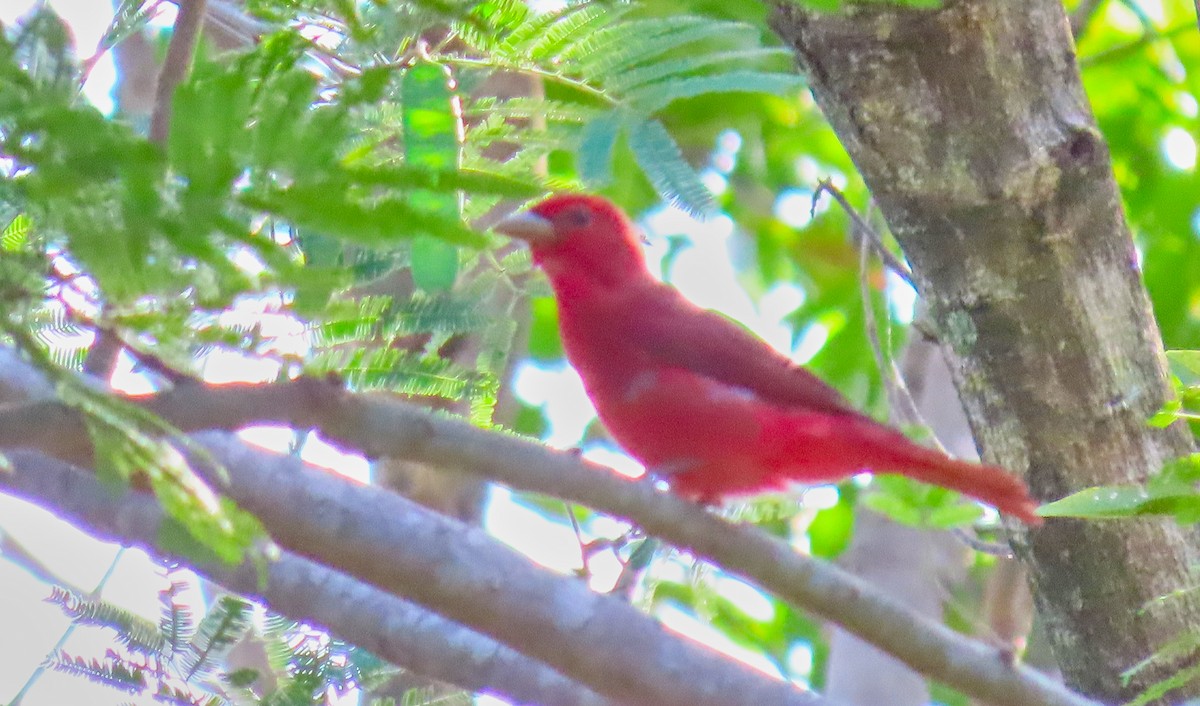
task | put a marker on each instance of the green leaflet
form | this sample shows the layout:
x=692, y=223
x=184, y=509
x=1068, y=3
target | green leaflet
x=15, y=234
x=596, y=148
x=653, y=97
x=1172, y=491
x=431, y=139
x=661, y=160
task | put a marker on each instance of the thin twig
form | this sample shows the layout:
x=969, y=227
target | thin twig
x=176, y=66
x=635, y=568
x=899, y=396
x=1136, y=45
x=864, y=229
x=984, y=547
x=898, y=393
x=584, y=554
x=1083, y=15
x=101, y=359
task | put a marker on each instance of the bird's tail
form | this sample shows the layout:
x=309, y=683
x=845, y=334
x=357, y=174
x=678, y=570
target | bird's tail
x=990, y=484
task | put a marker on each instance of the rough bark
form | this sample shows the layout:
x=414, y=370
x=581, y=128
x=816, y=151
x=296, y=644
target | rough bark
x=971, y=128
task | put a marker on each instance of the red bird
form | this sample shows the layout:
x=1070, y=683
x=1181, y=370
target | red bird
x=696, y=398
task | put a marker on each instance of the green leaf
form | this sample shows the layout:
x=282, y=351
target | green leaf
x=1185, y=361
x=532, y=108
x=1107, y=502
x=15, y=234
x=431, y=139
x=956, y=515
x=131, y=17
x=1171, y=491
x=397, y=371
x=434, y=264
x=919, y=504
x=596, y=148
x=1166, y=416
x=830, y=531
x=553, y=34
x=631, y=44
x=688, y=65
x=653, y=97
x=662, y=161
x=331, y=209
x=474, y=181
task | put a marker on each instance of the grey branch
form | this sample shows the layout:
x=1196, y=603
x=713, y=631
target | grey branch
x=176, y=66
x=460, y=572
x=394, y=629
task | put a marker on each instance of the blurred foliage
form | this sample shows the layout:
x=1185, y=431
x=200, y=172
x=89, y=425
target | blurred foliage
x=340, y=172
x=180, y=659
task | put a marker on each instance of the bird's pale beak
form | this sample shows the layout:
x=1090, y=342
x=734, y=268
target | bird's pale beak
x=527, y=226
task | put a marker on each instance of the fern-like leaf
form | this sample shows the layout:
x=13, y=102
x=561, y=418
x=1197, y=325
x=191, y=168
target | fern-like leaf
x=653, y=97
x=628, y=45
x=662, y=161
x=215, y=634
x=690, y=65
x=596, y=145
x=398, y=371
x=488, y=107
x=113, y=671
x=136, y=633
x=565, y=32
x=175, y=622
x=424, y=313
x=16, y=233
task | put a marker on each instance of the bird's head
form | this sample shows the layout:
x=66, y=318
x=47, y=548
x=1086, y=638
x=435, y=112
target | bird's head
x=575, y=236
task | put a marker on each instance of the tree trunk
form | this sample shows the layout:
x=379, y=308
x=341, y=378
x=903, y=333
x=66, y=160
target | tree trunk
x=971, y=128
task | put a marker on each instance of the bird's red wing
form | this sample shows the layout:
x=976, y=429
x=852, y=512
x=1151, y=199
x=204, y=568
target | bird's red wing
x=674, y=332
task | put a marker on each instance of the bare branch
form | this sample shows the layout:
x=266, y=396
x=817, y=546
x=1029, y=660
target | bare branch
x=1083, y=15
x=862, y=229
x=177, y=64
x=465, y=575
x=1148, y=38
x=926, y=645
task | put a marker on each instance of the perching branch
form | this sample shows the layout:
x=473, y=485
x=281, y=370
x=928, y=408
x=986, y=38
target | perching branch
x=463, y=574
x=380, y=425
x=396, y=630
x=443, y=564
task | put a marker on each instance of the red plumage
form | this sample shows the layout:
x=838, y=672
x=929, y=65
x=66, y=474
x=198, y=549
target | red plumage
x=698, y=399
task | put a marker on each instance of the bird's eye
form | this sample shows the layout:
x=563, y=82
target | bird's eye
x=578, y=217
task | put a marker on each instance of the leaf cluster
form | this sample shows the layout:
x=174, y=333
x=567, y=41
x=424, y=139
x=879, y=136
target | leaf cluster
x=182, y=660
